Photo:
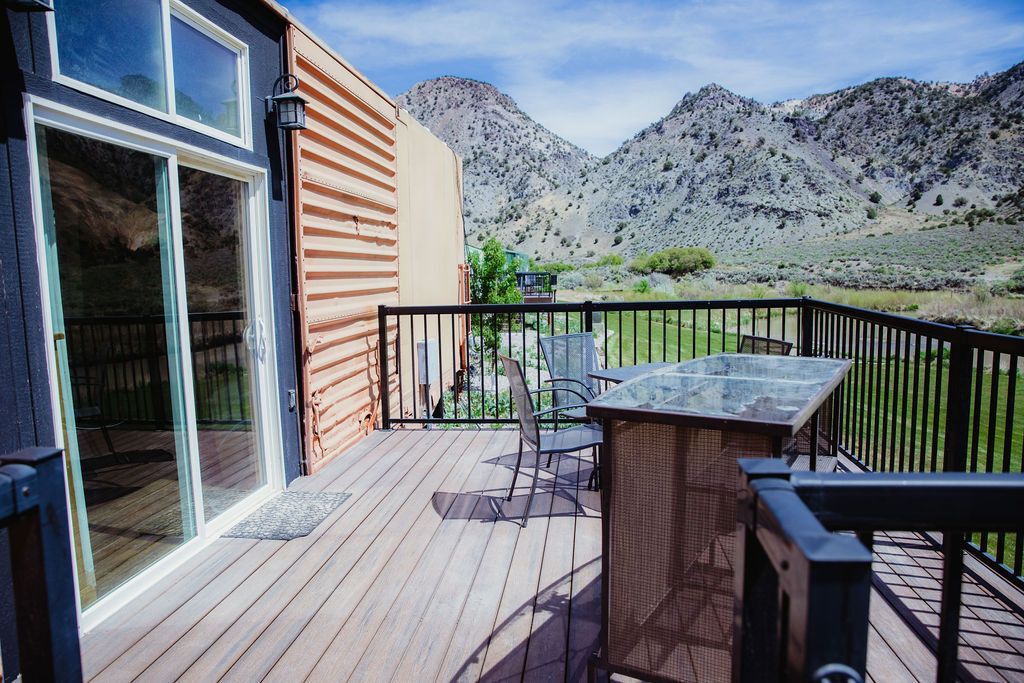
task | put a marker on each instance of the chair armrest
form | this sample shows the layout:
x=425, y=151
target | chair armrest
x=549, y=390
x=570, y=379
x=558, y=408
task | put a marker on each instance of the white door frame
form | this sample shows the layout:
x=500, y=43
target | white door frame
x=52, y=114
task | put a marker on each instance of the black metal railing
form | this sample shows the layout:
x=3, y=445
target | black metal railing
x=119, y=368
x=789, y=548
x=34, y=511
x=533, y=284
x=920, y=396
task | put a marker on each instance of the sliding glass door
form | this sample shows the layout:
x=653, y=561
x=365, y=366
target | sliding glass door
x=157, y=348
x=224, y=335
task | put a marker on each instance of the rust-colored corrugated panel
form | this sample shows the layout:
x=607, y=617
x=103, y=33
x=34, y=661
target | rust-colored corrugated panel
x=346, y=213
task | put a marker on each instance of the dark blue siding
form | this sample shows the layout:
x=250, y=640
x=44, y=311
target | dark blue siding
x=25, y=409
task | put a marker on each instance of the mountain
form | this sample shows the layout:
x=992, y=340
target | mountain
x=509, y=161
x=730, y=173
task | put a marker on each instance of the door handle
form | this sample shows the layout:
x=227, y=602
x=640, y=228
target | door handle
x=261, y=348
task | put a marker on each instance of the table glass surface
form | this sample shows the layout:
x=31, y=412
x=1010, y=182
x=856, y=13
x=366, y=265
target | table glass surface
x=753, y=388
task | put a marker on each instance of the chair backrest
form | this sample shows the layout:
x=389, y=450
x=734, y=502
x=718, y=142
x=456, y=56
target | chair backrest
x=529, y=427
x=750, y=343
x=572, y=356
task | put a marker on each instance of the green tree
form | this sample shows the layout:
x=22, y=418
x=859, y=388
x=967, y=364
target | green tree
x=875, y=197
x=938, y=200
x=492, y=281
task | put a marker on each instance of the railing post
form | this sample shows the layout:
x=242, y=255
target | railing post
x=588, y=316
x=382, y=357
x=41, y=566
x=756, y=584
x=958, y=402
x=954, y=459
x=806, y=327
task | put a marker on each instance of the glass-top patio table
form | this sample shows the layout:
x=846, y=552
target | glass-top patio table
x=669, y=482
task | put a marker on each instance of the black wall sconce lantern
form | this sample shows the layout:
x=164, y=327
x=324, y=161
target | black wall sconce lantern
x=30, y=5
x=289, y=106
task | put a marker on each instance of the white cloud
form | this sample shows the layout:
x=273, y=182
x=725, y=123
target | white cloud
x=595, y=73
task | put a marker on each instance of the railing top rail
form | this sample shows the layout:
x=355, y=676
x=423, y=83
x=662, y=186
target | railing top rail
x=998, y=343
x=915, y=501
x=665, y=304
x=923, y=327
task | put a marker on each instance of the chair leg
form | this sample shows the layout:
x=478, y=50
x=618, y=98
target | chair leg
x=595, y=474
x=515, y=474
x=533, y=487
x=106, y=437
x=550, y=455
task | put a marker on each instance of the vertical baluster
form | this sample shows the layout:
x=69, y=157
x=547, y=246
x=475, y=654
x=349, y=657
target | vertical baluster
x=455, y=365
x=939, y=398
x=862, y=387
x=882, y=415
x=1011, y=395
x=903, y=402
x=620, y=338
x=993, y=420
x=693, y=332
x=894, y=386
x=679, y=334
x=914, y=401
x=976, y=409
x=650, y=335
x=926, y=404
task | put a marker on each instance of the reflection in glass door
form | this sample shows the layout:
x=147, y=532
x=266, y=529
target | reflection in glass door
x=114, y=309
x=225, y=337
x=145, y=404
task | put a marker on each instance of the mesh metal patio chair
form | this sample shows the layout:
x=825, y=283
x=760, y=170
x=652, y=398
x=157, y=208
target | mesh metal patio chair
x=541, y=443
x=750, y=343
x=570, y=357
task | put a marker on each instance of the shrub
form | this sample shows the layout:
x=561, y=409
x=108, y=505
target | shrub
x=875, y=197
x=618, y=240
x=938, y=200
x=606, y=260
x=872, y=213
x=959, y=202
x=798, y=289
x=1016, y=282
x=555, y=267
x=592, y=281
x=667, y=166
x=675, y=261
x=641, y=286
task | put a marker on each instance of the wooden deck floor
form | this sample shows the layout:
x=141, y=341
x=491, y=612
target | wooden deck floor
x=410, y=580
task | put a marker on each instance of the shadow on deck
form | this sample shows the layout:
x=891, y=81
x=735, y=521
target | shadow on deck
x=425, y=574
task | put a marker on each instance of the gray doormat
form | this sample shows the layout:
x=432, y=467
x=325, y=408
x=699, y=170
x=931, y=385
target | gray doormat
x=288, y=515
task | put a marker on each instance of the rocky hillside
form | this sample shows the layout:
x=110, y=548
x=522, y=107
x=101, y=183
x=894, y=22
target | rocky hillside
x=730, y=173
x=509, y=161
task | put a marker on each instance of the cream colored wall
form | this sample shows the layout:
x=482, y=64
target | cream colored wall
x=430, y=230
x=430, y=241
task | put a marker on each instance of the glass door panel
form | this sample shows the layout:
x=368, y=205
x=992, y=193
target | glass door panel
x=113, y=295
x=224, y=335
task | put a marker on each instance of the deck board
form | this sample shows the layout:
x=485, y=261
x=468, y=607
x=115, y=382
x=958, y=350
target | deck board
x=414, y=578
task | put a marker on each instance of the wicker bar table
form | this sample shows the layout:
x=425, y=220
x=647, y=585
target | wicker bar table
x=668, y=477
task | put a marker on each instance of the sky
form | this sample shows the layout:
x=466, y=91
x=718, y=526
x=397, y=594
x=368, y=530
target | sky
x=597, y=72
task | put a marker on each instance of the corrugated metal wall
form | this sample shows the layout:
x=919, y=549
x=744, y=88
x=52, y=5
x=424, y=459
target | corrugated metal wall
x=346, y=218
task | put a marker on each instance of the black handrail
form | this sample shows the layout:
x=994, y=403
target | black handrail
x=920, y=397
x=34, y=511
x=781, y=542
